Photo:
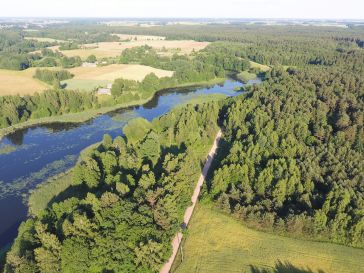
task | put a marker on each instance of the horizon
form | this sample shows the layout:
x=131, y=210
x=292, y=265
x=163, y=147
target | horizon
x=229, y=9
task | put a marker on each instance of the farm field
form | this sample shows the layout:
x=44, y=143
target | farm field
x=20, y=82
x=219, y=243
x=44, y=39
x=88, y=78
x=139, y=37
x=113, y=49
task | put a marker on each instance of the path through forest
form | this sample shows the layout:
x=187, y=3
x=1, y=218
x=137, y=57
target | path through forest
x=189, y=211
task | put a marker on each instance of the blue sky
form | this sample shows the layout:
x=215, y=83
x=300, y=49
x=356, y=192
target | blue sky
x=328, y=9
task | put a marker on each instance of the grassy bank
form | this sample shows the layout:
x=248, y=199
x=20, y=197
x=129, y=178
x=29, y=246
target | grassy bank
x=89, y=114
x=218, y=243
x=246, y=76
x=58, y=185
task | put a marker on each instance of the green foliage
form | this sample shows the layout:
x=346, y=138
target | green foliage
x=91, y=59
x=51, y=76
x=126, y=201
x=291, y=155
x=68, y=46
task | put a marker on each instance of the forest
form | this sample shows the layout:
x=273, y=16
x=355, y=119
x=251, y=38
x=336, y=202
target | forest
x=130, y=196
x=293, y=155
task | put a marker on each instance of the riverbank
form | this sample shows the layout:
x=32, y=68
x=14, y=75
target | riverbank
x=90, y=114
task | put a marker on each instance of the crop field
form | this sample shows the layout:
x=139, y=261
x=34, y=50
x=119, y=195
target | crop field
x=88, y=78
x=113, y=49
x=139, y=37
x=218, y=243
x=20, y=82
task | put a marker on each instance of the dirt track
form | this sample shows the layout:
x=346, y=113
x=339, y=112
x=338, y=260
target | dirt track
x=189, y=211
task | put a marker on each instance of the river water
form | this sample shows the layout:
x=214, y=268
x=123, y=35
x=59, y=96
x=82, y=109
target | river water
x=46, y=150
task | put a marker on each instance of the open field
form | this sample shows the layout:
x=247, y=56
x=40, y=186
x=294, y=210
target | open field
x=114, y=49
x=246, y=76
x=218, y=243
x=88, y=78
x=20, y=82
x=262, y=67
x=139, y=37
x=43, y=39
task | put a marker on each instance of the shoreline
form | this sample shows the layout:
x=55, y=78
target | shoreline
x=87, y=115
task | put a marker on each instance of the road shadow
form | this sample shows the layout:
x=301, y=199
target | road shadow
x=283, y=267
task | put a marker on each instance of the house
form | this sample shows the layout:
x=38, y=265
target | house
x=105, y=91
x=86, y=64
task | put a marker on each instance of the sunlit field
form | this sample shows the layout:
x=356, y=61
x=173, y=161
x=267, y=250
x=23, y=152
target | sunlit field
x=88, y=78
x=218, y=243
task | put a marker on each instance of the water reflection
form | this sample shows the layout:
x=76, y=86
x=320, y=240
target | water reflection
x=46, y=150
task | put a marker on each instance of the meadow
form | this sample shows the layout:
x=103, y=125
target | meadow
x=20, y=82
x=261, y=67
x=219, y=243
x=114, y=49
x=88, y=78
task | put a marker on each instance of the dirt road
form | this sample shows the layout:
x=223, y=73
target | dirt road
x=189, y=211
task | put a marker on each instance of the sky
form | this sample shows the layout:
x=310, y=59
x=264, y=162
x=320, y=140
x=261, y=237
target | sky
x=301, y=9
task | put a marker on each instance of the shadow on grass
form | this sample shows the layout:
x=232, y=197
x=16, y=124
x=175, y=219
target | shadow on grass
x=282, y=267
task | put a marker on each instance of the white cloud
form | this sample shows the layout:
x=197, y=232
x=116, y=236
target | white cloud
x=186, y=8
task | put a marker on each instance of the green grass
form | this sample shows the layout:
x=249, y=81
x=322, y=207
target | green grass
x=246, y=76
x=261, y=67
x=219, y=243
x=202, y=99
x=84, y=85
x=136, y=129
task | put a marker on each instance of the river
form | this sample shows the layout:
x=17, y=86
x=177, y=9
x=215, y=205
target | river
x=46, y=150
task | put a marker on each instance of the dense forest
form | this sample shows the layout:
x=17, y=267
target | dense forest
x=294, y=154
x=126, y=201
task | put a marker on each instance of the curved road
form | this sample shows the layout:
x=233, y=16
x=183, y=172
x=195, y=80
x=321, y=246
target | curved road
x=189, y=211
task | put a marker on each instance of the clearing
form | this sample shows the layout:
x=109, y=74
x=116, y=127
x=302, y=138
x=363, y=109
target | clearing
x=218, y=243
x=114, y=49
x=261, y=67
x=20, y=82
x=139, y=37
x=88, y=78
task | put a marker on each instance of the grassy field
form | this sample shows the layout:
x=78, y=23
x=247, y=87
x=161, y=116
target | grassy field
x=88, y=78
x=114, y=49
x=261, y=67
x=218, y=243
x=20, y=82
x=139, y=37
